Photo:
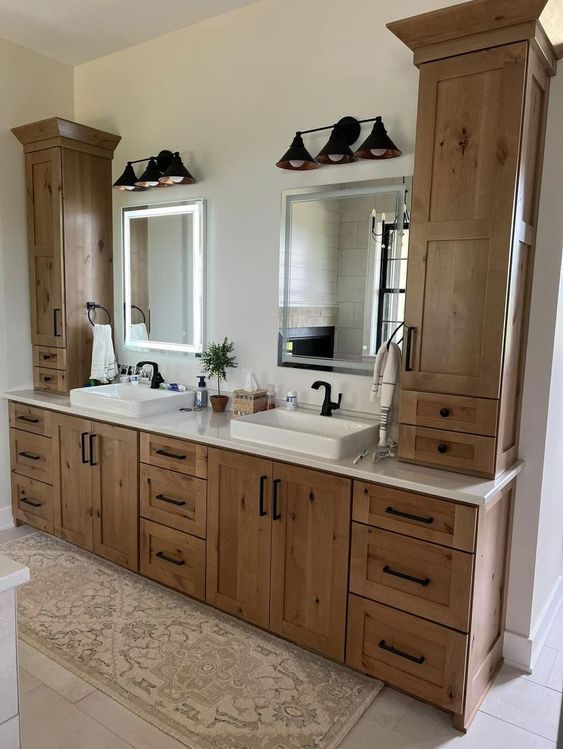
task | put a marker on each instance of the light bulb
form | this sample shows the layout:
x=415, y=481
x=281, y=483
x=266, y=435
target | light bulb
x=128, y=187
x=176, y=180
x=336, y=156
x=377, y=151
x=296, y=164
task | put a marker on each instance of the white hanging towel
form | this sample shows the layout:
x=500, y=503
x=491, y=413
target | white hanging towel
x=385, y=378
x=138, y=332
x=104, y=366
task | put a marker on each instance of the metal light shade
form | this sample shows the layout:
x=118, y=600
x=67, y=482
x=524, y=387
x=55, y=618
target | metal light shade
x=336, y=151
x=297, y=158
x=151, y=175
x=378, y=145
x=176, y=174
x=128, y=180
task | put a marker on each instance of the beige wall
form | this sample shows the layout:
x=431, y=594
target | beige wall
x=33, y=87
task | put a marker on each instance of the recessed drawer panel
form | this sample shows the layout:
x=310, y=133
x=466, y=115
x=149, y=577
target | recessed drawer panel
x=173, y=558
x=31, y=455
x=425, y=579
x=453, y=451
x=173, y=499
x=30, y=419
x=177, y=455
x=416, y=656
x=49, y=357
x=32, y=502
x=51, y=380
x=417, y=515
x=452, y=412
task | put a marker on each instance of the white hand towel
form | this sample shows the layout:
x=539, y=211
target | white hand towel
x=104, y=366
x=138, y=332
x=385, y=378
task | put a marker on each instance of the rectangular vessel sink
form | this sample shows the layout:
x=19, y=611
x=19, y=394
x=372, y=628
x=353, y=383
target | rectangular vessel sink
x=327, y=437
x=130, y=400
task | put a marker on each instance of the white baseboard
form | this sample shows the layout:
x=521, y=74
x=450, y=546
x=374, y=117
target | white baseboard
x=522, y=652
x=6, y=520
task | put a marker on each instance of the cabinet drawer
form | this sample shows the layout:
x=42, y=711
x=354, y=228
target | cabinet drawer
x=175, y=500
x=31, y=455
x=48, y=357
x=417, y=515
x=452, y=412
x=425, y=579
x=30, y=419
x=177, y=455
x=419, y=657
x=453, y=451
x=51, y=380
x=173, y=558
x=32, y=502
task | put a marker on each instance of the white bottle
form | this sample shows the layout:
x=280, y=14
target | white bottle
x=291, y=400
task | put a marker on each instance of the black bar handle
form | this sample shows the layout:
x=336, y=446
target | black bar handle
x=172, y=560
x=170, y=500
x=29, y=419
x=390, y=649
x=31, y=502
x=275, y=514
x=83, y=446
x=29, y=456
x=262, y=512
x=424, y=581
x=408, y=516
x=408, y=349
x=166, y=454
x=55, y=326
x=92, y=445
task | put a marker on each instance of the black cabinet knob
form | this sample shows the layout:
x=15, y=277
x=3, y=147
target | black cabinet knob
x=442, y=448
x=444, y=412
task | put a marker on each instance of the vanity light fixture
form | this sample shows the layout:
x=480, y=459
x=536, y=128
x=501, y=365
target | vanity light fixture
x=344, y=133
x=163, y=170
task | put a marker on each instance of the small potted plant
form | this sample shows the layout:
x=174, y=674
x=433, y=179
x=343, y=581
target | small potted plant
x=215, y=360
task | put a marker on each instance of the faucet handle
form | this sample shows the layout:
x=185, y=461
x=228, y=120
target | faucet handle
x=336, y=405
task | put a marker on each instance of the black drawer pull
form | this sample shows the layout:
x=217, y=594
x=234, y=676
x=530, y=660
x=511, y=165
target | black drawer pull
x=276, y=515
x=172, y=560
x=30, y=456
x=92, y=439
x=424, y=581
x=444, y=412
x=29, y=419
x=408, y=516
x=442, y=448
x=83, y=447
x=390, y=649
x=166, y=454
x=408, y=365
x=261, y=510
x=31, y=502
x=46, y=378
x=55, y=322
x=176, y=502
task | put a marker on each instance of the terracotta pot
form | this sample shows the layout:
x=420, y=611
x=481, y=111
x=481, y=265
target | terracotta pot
x=219, y=403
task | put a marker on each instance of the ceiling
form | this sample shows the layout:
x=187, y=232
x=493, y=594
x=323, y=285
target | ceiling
x=74, y=31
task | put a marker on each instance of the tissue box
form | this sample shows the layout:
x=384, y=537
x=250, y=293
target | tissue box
x=249, y=401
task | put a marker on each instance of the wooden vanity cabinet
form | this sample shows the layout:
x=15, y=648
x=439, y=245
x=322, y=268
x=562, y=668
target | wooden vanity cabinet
x=68, y=177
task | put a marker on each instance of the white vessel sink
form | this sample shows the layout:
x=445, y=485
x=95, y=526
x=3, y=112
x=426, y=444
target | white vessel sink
x=326, y=437
x=130, y=400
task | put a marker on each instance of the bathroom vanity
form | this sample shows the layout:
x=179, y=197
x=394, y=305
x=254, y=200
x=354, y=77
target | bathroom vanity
x=396, y=570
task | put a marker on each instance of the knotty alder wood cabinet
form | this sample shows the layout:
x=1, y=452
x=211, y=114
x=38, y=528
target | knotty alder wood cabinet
x=483, y=94
x=68, y=176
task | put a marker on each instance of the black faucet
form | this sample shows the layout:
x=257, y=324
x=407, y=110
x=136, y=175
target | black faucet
x=328, y=406
x=157, y=378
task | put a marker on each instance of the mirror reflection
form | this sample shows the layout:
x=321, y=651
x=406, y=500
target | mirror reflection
x=163, y=276
x=342, y=273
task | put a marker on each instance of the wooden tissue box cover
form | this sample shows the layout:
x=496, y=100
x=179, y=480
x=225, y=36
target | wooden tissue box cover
x=249, y=402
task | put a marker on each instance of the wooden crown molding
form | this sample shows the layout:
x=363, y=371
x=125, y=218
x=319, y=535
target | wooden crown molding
x=59, y=131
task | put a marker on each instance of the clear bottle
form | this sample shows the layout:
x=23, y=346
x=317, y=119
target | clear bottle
x=291, y=400
x=201, y=394
x=271, y=397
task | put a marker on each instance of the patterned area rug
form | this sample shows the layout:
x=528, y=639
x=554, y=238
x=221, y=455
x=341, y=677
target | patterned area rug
x=205, y=678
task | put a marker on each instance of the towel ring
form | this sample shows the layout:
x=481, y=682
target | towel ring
x=134, y=306
x=394, y=333
x=93, y=306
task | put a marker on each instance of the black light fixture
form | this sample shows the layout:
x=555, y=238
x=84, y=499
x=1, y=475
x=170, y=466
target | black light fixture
x=378, y=145
x=337, y=150
x=163, y=170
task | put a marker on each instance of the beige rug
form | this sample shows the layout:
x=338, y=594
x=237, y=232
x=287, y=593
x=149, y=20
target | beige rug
x=205, y=678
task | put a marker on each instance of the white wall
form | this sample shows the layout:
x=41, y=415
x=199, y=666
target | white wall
x=33, y=87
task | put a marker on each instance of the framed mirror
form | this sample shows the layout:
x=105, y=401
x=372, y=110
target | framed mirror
x=164, y=276
x=343, y=266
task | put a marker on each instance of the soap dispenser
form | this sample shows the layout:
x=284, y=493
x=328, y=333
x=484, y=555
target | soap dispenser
x=201, y=395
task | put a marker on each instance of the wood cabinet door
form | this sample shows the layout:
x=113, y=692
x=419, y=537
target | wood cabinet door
x=45, y=241
x=72, y=480
x=466, y=165
x=239, y=526
x=114, y=456
x=310, y=545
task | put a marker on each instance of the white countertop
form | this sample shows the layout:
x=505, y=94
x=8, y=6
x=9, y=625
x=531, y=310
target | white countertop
x=12, y=574
x=214, y=430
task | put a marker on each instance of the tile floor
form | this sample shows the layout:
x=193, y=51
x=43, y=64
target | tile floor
x=60, y=711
